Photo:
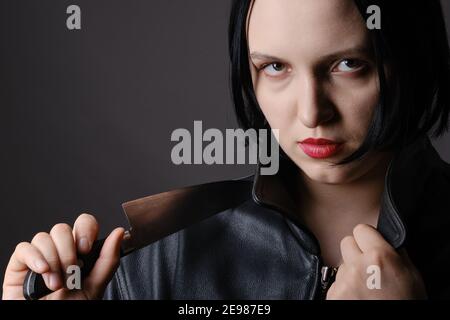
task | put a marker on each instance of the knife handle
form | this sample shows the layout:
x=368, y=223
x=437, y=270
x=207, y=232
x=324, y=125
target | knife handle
x=34, y=286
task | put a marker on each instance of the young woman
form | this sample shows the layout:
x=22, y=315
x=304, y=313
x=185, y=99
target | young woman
x=359, y=208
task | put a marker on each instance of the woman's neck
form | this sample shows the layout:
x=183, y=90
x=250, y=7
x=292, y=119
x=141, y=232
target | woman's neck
x=331, y=211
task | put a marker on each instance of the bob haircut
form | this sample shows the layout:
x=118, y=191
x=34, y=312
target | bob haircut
x=412, y=43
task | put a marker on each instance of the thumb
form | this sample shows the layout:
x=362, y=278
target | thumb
x=105, y=266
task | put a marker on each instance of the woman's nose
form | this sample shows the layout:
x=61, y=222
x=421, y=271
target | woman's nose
x=313, y=107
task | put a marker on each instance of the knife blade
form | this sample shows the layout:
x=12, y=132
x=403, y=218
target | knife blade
x=156, y=216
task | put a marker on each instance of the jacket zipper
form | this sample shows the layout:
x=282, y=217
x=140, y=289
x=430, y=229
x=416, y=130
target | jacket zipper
x=328, y=275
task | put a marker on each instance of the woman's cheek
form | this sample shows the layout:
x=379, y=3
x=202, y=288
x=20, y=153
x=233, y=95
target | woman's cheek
x=366, y=107
x=276, y=106
x=280, y=114
x=357, y=104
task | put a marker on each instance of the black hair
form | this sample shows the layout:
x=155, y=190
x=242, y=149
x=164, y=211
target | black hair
x=412, y=42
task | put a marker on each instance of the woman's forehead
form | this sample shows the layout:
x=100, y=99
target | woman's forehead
x=304, y=10
x=288, y=26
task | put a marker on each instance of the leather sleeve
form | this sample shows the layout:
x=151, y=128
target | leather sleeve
x=112, y=291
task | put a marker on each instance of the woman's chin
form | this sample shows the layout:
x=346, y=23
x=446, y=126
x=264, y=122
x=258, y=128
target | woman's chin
x=328, y=177
x=325, y=172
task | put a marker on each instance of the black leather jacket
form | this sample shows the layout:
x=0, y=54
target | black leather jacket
x=259, y=250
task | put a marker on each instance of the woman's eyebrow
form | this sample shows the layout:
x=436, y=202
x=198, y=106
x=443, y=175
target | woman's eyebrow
x=357, y=50
x=261, y=56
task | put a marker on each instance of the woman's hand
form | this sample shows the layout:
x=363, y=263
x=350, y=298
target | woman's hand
x=50, y=254
x=373, y=269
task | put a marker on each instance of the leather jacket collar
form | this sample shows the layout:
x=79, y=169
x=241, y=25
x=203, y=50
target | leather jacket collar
x=404, y=185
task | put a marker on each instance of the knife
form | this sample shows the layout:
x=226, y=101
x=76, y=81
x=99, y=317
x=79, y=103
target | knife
x=154, y=217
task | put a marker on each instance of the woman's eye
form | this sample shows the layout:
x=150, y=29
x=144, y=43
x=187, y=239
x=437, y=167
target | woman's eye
x=274, y=69
x=348, y=65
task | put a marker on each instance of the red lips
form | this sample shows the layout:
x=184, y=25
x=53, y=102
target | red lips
x=319, y=148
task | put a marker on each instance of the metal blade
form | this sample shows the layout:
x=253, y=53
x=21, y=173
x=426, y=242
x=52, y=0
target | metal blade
x=154, y=217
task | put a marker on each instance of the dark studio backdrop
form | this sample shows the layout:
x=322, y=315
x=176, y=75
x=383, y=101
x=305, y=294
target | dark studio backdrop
x=87, y=115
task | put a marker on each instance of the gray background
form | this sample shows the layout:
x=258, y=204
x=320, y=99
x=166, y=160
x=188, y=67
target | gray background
x=87, y=115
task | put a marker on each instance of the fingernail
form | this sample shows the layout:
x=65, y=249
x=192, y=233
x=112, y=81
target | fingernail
x=40, y=264
x=83, y=244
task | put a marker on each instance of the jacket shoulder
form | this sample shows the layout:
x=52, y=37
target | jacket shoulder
x=160, y=257
x=225, y=256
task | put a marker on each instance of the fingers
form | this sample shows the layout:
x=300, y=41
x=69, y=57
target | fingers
x=105, y=265
x=25, y=257
x=51, y=254
x=85, y=232
x=62, y=237
x=44, y=243
x=368, y=238
x=350, y=250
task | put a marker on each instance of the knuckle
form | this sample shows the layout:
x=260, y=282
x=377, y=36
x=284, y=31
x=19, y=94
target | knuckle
x=87, y=217
x=85, y=223
x=360, y=228
x=22, y=246
x=346, y=241
x=61, y=228
x=40, y=237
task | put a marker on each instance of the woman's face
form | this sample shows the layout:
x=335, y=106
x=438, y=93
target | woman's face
x=314, y=77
